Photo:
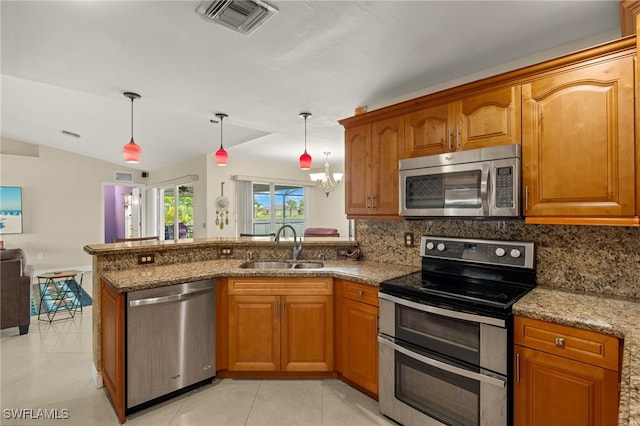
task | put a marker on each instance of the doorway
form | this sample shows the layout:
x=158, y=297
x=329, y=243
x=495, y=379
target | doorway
x=123, y=212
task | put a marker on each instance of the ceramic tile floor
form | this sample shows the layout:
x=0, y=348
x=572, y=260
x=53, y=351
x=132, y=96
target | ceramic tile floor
x=50, y=369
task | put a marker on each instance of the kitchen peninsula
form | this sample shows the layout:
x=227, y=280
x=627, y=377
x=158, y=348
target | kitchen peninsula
x=123, y=267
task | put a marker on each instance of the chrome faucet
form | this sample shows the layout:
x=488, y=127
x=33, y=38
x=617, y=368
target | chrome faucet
x=296, y=249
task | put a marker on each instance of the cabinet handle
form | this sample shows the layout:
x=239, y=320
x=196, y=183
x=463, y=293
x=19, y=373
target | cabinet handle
x=368, y=203
x=517, y=368
x=360, y=293
x=457, y=138
x=373, y=201
x=560, y=342
x=450, y=137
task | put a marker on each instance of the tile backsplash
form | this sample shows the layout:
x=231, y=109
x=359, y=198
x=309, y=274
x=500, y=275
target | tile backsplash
x=593, y=259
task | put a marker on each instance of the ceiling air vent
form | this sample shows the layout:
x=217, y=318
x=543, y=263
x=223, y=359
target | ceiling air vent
x=124, y=177
x=242, y=16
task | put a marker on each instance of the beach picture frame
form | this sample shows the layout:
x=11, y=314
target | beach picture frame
x=10, y=210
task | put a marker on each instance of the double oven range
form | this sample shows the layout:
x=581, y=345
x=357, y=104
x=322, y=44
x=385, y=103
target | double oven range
x=446, y=333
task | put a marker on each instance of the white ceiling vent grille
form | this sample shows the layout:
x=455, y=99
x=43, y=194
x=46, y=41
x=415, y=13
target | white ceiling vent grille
x=242, y=16
x=124, y=177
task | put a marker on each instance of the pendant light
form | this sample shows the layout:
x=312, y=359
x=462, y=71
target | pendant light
x=305, y=159
x=131, y=150
x=221, y=155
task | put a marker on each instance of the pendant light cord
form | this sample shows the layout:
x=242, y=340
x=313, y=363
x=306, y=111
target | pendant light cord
x=132, y=119
x=221, y=121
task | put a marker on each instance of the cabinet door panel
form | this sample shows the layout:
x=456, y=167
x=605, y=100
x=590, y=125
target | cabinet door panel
x=254, y=333
x=556, y=391
x=387, y=146
x=578, y=142
x=489, y=119
x=307, y=333
x=428, y=131
x=357, y=177
x=360, y=344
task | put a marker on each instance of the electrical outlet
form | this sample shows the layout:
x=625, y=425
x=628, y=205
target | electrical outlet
x=408, y=239
x=144, y=259
x=225, y=251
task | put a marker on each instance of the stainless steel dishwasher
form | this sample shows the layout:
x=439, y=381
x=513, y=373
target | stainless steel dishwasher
x=170, y=341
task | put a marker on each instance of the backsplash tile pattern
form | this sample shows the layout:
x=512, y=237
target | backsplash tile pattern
x=592, y=259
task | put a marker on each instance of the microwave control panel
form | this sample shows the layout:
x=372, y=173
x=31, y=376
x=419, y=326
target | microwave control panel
x=504, y=187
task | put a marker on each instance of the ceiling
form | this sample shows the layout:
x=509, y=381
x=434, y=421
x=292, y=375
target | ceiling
x=66, y=64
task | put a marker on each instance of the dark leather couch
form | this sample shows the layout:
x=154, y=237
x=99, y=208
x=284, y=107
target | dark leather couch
x=15, y=290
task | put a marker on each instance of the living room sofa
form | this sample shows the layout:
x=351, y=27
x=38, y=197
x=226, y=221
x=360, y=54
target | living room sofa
x=15, y=290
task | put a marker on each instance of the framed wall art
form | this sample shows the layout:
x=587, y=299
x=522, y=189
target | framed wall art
x=10, y=210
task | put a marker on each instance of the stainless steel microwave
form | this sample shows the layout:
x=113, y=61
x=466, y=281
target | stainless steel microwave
x=478, y=183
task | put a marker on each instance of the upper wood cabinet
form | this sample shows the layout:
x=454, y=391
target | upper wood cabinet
x=372, y=152
x=578, y=142
x=483, y=120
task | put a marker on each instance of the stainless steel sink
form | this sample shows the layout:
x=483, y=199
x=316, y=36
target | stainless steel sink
x=278, y=264
x=309, y=265
x=267, y=264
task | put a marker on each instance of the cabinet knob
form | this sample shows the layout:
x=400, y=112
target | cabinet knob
x=360, y=293
x=560, y=342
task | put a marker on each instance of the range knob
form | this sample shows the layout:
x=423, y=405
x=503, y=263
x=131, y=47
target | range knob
x=441, y=247
x=430, y=245
x=515, y=253
x=500, y=252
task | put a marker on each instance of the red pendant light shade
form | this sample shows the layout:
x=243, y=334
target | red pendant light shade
x=222, y=158
x=131, y=151
x=305, y=161
x=305, y=158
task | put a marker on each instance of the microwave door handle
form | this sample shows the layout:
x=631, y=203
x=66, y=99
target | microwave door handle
x=485, y=188
x=444, y=366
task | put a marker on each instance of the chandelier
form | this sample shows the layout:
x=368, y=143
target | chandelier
x=326, y=181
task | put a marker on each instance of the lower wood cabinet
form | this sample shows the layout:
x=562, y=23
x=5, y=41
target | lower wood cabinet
x=280, y=324
x=357, y=335
x=112, y=346
x=564, y=376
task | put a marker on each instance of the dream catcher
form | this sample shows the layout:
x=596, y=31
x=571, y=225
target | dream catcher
x=222, y=208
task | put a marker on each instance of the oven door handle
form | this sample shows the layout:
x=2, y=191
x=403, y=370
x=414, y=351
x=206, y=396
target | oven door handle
x=444, y=312
x=444, y=366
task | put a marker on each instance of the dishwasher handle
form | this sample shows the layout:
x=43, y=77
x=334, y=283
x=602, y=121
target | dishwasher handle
x=167, y=299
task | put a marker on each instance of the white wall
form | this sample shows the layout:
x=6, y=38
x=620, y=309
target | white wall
x=62, y=205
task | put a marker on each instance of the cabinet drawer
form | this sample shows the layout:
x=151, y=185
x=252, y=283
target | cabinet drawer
x=281, y=286
x=569, y=342
x=360, y=292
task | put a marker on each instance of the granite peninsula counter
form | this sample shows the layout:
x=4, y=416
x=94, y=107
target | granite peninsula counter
x=616, y=317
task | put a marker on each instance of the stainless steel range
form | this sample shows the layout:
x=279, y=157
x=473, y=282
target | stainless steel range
x=446, y=333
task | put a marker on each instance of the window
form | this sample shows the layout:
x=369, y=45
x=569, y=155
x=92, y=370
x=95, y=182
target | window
x=177, y=211
x=274, y=205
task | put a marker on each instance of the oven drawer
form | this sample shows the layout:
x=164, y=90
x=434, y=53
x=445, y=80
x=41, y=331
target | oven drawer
x=578, y=344
x=360, y=292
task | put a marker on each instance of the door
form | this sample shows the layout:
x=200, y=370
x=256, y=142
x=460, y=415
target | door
x=553, y=391
x=387, y=147
x=122, y=212
x=429, y=131
x=578, y=142
x=254, y=333
x=307, y=333
x=358, y=177
x=359, y=344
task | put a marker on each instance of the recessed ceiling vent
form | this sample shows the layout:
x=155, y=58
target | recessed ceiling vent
x=242, y=16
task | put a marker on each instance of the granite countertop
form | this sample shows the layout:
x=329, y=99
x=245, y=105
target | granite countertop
x=611, y=316
x=371, y=273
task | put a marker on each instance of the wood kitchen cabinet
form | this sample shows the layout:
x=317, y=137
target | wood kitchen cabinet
x=357, y=335
x=112, y=344
x=478, y=121
x=578, y=143
x=372, y=152
x=280, y=324
x=564, y=375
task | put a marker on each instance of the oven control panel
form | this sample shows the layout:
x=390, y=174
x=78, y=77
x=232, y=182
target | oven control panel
x=511, y=253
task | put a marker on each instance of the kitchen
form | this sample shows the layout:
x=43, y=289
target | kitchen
x=586, y=267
